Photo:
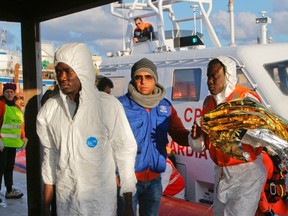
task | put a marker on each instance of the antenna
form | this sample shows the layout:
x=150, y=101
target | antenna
x=194, y=18
x=3, y=37
x=258, y=38
x=123, y=35
x=263, y=21
x=18, y=49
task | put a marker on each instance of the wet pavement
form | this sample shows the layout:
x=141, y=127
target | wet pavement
x=15, y=207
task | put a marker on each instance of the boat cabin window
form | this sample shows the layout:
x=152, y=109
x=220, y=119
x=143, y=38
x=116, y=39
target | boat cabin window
x=186, y=84
x=119, y=86
x=278, y=71
x=242, y=80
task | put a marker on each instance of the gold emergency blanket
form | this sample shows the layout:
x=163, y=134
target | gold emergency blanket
x=230, y=123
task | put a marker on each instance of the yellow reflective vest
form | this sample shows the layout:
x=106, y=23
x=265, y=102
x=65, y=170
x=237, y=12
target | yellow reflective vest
x=11, y=127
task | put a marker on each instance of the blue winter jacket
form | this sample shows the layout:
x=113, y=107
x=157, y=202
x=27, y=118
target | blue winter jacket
x=150, y=130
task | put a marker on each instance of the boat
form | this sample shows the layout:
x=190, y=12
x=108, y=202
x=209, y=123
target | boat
x=181, y=61
x=11, y=67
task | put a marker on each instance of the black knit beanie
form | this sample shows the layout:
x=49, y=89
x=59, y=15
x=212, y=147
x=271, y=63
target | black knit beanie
x=146, y=65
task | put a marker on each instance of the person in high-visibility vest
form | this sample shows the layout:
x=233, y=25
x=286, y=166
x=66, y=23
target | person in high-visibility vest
x=172, y=181
x=12, y=136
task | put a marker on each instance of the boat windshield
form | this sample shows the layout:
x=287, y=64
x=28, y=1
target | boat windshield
x=279, y=73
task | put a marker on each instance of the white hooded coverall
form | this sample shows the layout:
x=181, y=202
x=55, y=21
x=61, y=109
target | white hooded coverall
x=237, y=192
x=80, y=153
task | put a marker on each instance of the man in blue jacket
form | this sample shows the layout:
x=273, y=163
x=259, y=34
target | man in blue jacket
x=152, y=118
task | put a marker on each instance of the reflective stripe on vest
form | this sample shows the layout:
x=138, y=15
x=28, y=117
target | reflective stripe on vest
x=11, y=136
x=11, y=127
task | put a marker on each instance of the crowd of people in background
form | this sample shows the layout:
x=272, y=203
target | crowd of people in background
x=89, y=138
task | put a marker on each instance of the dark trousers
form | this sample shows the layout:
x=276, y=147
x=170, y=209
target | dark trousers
x=7, y=162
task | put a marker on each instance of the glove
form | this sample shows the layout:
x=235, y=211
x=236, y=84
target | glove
x=1, y=145
x=240, y=134
x=269, y=213
x=196, y=131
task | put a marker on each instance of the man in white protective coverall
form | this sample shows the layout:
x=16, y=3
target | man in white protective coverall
x=238, y=183
x=85, y=134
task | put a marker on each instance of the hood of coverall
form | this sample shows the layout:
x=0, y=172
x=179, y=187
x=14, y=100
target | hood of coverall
x=78, y=57
x=231, y=78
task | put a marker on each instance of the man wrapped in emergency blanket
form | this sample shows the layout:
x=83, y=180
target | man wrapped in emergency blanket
x=246, y=121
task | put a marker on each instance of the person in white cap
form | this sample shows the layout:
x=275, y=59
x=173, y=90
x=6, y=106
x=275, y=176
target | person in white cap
x=85, y=137
x=238, y=183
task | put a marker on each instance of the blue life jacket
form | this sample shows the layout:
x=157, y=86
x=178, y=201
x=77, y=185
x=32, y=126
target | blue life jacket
x=151, y=133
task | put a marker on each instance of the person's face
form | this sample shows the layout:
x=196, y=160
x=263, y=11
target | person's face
x=216, y=79
x=68, y=80
x=9, y=94
x=139, y=23
x=144, y=83
x=107, y=90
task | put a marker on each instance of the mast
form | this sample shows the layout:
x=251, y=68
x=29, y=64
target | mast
x=232, y=31
x=263, y=21
x=194, y=17
x=3, y=38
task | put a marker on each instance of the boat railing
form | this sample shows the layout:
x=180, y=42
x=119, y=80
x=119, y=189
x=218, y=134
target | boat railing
x=149, y=8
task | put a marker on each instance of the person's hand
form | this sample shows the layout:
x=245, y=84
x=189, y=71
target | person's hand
x=240, y=134
x=1, y=145
x=25, y=140
x=128, y=209
x=269, y=213
x=46, y=210
x=196, y=131
x=128, y=212
x=48, y=193
x=135, y=40
x=118, y=181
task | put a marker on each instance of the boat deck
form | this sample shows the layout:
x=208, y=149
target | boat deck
x=19, y=207
x=15, y=207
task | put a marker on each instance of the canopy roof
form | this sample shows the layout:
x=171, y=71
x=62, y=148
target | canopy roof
x=40, y=10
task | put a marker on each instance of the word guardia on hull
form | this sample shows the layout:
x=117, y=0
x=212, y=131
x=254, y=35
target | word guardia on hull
x=246, y=121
